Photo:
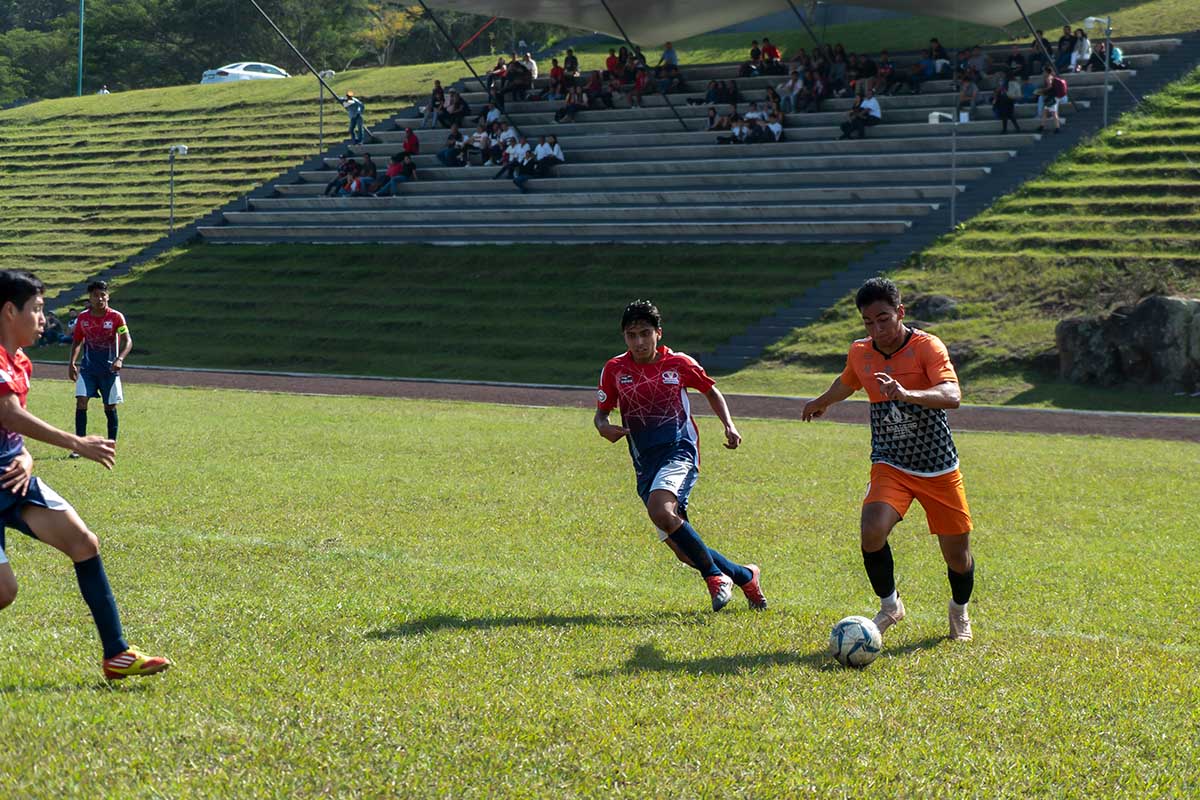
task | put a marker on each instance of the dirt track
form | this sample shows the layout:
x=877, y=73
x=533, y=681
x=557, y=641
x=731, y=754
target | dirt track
x=972, y=418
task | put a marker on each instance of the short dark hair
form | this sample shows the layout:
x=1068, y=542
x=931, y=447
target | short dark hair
x=641, y=311
x=877, y=289
x=94, y=285
x=17, y=286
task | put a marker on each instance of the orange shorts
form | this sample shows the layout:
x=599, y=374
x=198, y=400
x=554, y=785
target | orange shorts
x=943, y=497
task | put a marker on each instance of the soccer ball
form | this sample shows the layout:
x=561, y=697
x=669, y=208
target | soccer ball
x=855, y=642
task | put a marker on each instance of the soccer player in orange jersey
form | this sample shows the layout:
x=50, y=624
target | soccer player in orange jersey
x=910, y=382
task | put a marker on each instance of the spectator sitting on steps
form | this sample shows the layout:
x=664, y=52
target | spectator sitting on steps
x=866, y=112
x=412, y=145
x=570, y=68
x=598, y=92
x=437, y=101
x=670, y=79
x=455, y=110
x=771, y=58
x=549, y=155
x=514, y=155
x=968, y=93
x=1004, y=108
x=753, y=66
x=1081, y=55
x=557, y=90
x=480, y=143
x=641, y=86
x=775, y=126
x=575, y=103
x=531, y=65
x=343, y=169
x=450, y=155
x=524, y=171
x=400, y=170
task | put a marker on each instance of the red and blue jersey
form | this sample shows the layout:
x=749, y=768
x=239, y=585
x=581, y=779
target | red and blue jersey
x=14, y=379
x=653, y=400
x=99, y=337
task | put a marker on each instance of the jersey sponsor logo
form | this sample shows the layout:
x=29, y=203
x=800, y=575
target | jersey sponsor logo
x=625, y=380
x=671, y=377
x=602, y=396
x=898, y=425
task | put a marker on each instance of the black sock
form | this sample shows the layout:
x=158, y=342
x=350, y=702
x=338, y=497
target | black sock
x=81, y=422
x=93, y=585
x=961, y=584
x=111, y=415
x=881, y=570
x=693, y=547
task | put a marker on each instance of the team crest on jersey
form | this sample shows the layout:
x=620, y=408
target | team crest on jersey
x=602, y=396
x=108, y=325
x=625, y=380
x=671, y=377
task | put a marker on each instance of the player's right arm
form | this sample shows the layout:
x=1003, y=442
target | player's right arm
x=614, y=433
x=76, y=346
x=836, y=393
x=606, y=401
x=18, y=420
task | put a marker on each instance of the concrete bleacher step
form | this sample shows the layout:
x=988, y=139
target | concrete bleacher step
x=824, y=196
x=896, y=176
x=622, y=230
x=583, y=213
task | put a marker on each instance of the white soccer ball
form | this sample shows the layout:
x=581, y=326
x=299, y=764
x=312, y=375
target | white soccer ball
x=855, y=642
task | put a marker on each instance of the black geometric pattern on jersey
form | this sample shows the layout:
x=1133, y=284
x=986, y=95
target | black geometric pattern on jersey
x=912, y=438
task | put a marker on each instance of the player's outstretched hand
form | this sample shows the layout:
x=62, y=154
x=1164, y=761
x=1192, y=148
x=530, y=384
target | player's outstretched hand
x=812, y=410
x=97, y=448
x=15, y=477
x=732, y=438
x=614, y=433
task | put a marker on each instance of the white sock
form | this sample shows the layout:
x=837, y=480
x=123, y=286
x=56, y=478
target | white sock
x=891, y=599
x=958, y=607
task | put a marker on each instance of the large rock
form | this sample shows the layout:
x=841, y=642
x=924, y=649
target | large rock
x=1155, y=342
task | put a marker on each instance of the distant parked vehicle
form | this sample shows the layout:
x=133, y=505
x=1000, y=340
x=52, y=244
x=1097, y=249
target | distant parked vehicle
x=243, y=71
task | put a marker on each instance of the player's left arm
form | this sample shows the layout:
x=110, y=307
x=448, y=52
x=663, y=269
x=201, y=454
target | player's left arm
x=721, y=409
x=122, y=331
x=17, y=474
x=945, y=395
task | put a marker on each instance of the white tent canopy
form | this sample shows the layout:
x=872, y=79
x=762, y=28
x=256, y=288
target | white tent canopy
x=650, y=23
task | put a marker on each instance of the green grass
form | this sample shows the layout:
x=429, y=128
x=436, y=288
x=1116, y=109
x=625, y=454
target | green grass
x=373, y=598
x=1110, y=222
x=542, y=314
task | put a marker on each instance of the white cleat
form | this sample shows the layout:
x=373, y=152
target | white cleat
x=889, y=614
x=960, y=624
x=721, y=589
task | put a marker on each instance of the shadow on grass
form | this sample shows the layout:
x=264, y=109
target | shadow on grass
x=454, y=622
x=648, y=658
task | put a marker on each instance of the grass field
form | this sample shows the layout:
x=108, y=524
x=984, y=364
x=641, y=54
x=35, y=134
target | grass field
x=539, y=314
x=371, y=598
x=1110, y=222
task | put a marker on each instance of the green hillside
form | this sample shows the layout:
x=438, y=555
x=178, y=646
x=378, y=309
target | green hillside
x=1112, y=220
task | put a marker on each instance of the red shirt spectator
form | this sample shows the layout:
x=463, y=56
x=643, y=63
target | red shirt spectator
x=611, y=63
x=412, y=145
x=771, y=52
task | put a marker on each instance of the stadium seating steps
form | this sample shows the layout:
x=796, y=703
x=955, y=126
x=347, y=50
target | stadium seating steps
x=634, y=175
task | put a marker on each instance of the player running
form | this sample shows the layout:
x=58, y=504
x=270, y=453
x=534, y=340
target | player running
x=32, y=507
x=98, y=333
x=910, y=382
x=650, y=385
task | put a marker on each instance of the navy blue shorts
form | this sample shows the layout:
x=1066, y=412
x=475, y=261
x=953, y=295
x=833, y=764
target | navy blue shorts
x=675, y=471
x=38, y=494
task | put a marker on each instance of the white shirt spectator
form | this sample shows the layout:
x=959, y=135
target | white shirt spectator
x=492, y=116
x=557, y=152
x=790, y=87
x=532, y=65
x=755, y=114
x=542, y=151
x=508, y=135
x=740, y=131
x=871, y=106
x=516, y=152
x=481, y=140
x=776, y=129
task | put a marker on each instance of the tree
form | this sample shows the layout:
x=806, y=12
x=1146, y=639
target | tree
x=387, y=22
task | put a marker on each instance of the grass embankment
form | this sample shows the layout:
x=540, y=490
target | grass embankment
x=538, y=313
x=372, y=598
x=1111, y=221
x=84, y=181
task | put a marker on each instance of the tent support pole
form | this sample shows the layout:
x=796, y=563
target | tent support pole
x=800, y=16
x=1050, y=62
x=632, y=46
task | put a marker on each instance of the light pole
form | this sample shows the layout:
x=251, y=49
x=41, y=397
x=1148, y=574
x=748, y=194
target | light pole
x=79, y=85
x=174, y=150
x=325, y=73
x=1107, y=23
x=934, y=117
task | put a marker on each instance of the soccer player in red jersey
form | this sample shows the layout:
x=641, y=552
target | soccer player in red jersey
x=649, y=383
x=910, y=382
x=27, y=503
x=98, y=334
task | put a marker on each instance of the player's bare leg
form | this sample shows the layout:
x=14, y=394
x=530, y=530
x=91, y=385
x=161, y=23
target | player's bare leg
x=8, y=585
x=63, y=530
x=876, y=524
x=960, y=569
x=663, y=508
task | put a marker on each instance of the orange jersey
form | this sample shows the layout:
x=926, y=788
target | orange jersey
x=909, y=437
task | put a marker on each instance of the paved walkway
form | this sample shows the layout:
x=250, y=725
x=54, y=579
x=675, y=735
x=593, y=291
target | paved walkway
x=968, y=418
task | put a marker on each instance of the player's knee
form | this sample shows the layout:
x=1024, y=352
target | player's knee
x=81, y=403
x=8, y=593
x=664, y=518
x=85, y=546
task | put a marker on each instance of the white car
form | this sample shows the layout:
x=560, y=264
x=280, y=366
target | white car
x=243, y=71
